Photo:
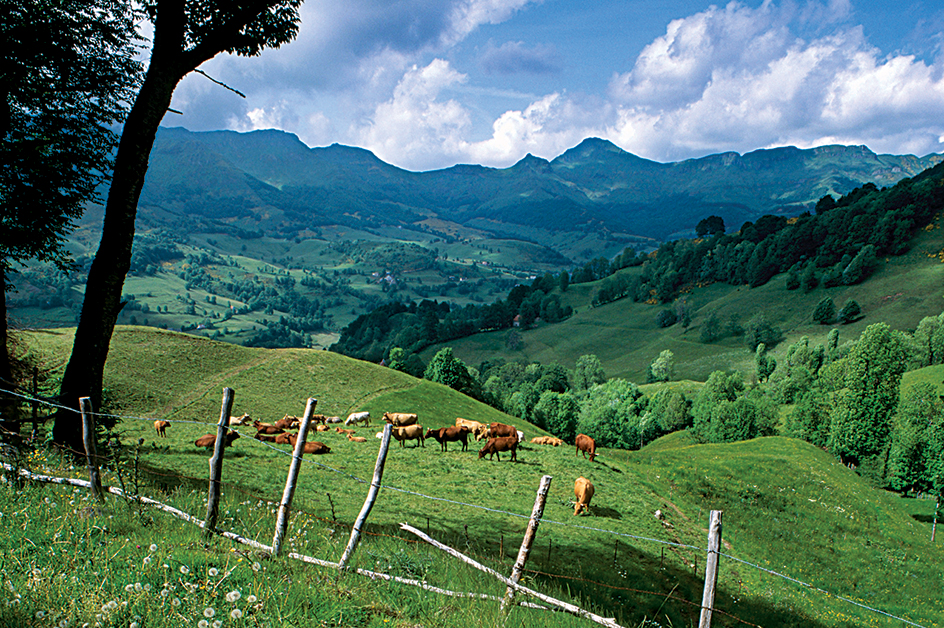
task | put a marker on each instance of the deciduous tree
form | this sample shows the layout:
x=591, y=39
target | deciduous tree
x=187, y=33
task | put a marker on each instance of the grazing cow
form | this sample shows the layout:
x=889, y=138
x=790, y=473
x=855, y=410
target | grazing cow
x=586, y=445
x=316, y=447
x=478, y=429
x=445, y=434
x=268, y=438
x=410, y=432
x=240, y=420
x=500, y=429
x=340, y=431
x=209, y=440
x=500, y=443
x=160, y=425
x=358, y=417
x=356, y=439
x=399, y=419
x=583, y=491
x=285, y=438
x=520, y=435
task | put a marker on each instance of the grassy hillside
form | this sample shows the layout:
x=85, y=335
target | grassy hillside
x=788, y=507
x=626, y=337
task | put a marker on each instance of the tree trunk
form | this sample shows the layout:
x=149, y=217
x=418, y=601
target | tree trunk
x=8, y=406
x=85, y=372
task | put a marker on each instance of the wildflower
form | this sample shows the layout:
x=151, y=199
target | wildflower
x=236, y=613
x=138, y=587
x=217, y=624
x=251, y=599
x=203, y=624
x=208, y=612
x=153, y=547
x=213, y=572
x=184, y=569
x=232, y=596
x=147, y=560
x=129, y=588
x=175, y=602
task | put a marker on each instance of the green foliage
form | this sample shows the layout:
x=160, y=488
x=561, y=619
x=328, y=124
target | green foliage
x=809, y=419
x=929, y=340
x=765, y=363
x=588, y=372
x=671, y=410
x=760, y=331
x=712, y=225
x=723, y=413
x=450, y=371
x=825, y=312
x=861, y=418
x=666, y=318
x=915, y=453
x=861, y=266
x=661, y=368
x=849, y=313
x=610, y=414
x=557, y=413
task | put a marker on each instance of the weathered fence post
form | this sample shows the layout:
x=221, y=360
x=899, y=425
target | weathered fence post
x=216, y=463
x=711, y=569
x=371, y=498
x=536, y=513
x=289, y=493
x=91, y=452
x=34, y=406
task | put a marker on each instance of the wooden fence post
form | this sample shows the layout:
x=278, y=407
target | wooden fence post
x=91, y=452
x=34, y=406
x=216, y=463
x=371, y=498
x=711, y=569
x=289, y=493
x=536, y=513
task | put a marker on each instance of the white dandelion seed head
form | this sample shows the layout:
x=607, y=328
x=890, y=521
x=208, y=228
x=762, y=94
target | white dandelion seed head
x=236, y=613
x=213, y=572
x=184, y=569
x=208, y=612
x=232, y=596
x=153, y=547
x=203, y=624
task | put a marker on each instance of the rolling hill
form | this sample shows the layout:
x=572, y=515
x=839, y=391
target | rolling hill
x=789, y=508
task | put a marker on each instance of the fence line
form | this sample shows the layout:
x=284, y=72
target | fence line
x=511, y=514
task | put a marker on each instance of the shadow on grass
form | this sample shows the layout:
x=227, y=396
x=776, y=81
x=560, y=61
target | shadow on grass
x=608, y=513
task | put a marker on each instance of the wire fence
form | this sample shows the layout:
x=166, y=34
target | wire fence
x=28, y=398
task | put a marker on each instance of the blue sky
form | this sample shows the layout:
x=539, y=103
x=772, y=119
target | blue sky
x=427, y=84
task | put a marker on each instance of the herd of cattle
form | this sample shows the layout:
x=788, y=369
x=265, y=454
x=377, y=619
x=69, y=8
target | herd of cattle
x=498, y=437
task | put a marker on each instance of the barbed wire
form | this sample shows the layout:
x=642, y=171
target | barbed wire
x=495, y=510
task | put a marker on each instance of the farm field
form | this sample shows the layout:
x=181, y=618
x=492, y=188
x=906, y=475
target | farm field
x=788, y=507
x=626, y=337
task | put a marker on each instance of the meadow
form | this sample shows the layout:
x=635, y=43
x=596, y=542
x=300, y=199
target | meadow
x=788, y=508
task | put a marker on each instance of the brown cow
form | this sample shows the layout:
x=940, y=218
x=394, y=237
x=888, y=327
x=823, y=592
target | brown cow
x=160, y=425
x=399, y=419
x=583, y=491
x=268, y=438
x=322, y=428
x=343, y=431
x=316, y=447
x=356, y=439
x=287, y=422
x=410, y=432
x=586, y=445
x=285, y=438
x=445, y=434
x=500, y=429
x=266, y=428
x=209, y=440
x=500, y=443
x=479, y=430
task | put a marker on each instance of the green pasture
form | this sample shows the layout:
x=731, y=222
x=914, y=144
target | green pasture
x=626, y=337
x=788, y=507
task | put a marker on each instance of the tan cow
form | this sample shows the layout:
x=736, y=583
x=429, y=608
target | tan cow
x=410, y=432
x=240, y=420
x=479, y=430
x=547, y=440
x=159, y=426
x=399, y=419
x=356, y=439
x=583, y=491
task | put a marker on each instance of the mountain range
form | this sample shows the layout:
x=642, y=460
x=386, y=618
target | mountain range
x=270, y=183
